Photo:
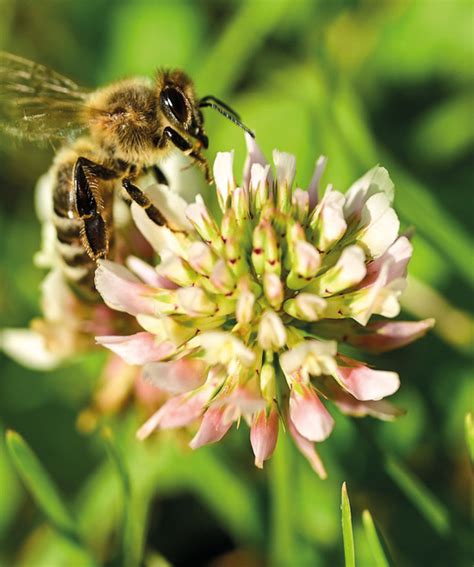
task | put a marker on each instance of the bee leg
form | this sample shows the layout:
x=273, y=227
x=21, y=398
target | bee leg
x=183, y=145
x=141, y=199
x=90, y=206
x=159, y=176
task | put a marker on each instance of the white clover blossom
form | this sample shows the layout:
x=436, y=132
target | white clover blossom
x=244, y=316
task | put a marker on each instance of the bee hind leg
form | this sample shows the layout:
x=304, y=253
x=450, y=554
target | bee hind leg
x=90, y=206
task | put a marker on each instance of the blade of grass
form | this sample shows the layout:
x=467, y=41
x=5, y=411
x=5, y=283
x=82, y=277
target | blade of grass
x=133, y=525
x=41, y=487
x=469, y=428
x=347, y=534
x=375, y=545
x=427, y=504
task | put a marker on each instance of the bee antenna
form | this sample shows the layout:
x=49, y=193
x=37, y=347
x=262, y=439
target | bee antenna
x=220, y=103
x=229, y=115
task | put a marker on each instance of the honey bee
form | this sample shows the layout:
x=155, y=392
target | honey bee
x=113, y=134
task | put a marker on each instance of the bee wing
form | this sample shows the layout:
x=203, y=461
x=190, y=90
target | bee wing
x=37, y=103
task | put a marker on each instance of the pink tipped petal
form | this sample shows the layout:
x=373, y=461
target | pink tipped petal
x=396, y=257
x=308, y=450
x=380, y=409
x=139, y=348
x=175, y=377
x=121, y=290
x=367, y=384
x=311, y=418
x=214, y=425
x=263, y=435
x=176, y=412
x=384, y=336
x=148, y=274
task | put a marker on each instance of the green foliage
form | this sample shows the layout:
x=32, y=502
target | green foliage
x=427, y=504
x=134, y=518
x=362, y=83
x=376, y=548
x=41, y=487
x=348, y=536
x=469, y=425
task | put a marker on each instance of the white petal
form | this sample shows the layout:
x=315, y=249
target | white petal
x=329, y=222
x=254, y=155
x=160, y=237
x=224, y=175
x=374, y=181
x=170, y=205
x=183, y=178
x=379, y=225
x=316, y=357
x=313, y=187
x=222, y=348
x=271, y=331
x=285, y=165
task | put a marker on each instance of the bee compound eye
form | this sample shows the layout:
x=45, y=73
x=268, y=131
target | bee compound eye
x=174, y=100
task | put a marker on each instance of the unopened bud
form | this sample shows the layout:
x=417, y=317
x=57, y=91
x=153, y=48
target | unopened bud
x=271, y=332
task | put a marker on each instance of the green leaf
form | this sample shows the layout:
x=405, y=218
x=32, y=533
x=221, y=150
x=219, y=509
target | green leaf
x=347, y=534
x=134, y=523
x=39, y=483
x=41, y=487
x=469, y=427
x=427, y=504
x=376, y=548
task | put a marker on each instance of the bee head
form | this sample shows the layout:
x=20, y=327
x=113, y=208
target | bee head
x=178, y=103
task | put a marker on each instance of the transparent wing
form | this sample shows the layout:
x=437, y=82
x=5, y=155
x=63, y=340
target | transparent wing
x=37, y=103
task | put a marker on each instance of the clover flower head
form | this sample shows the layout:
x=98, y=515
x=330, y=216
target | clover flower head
x=248, y=313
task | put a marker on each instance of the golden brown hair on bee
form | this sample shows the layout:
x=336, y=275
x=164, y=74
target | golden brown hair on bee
x=125, y=120
x=126, y=129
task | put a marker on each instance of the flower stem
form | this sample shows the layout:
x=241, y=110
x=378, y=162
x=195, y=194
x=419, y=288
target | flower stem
x=282, y=536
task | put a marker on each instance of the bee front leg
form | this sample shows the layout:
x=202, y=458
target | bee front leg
x=182, y=144
x=141, y=199
x=91, y=206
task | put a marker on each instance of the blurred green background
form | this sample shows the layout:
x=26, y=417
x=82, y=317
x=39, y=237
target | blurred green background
x=362, y=82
